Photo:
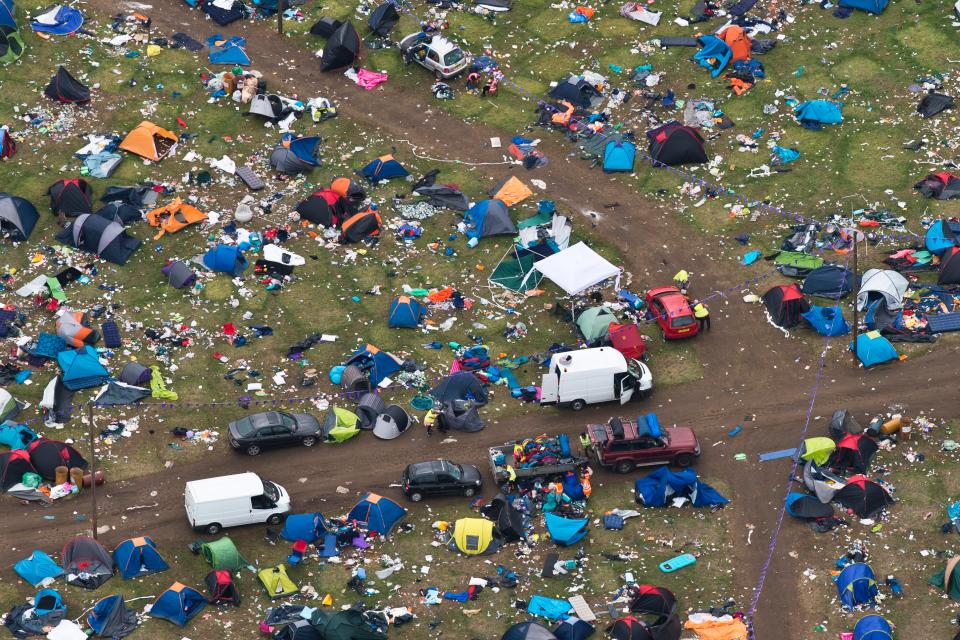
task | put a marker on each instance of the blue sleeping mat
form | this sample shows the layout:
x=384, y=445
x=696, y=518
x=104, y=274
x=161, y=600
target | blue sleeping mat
x=944, y=322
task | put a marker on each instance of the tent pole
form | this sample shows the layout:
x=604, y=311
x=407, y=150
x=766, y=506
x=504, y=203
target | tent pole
x=93, y=470
x=280, y=4
x=856, y=289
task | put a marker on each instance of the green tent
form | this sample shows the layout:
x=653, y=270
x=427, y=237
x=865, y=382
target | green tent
x=343, y=625
x=517, y=273
x=339, y=425
x=222, y=554
x=796, y=264
x=11, y=42
x=277, y=583
x=952, y=587
x=9, y=406
x=594, y=323
x=818, y=449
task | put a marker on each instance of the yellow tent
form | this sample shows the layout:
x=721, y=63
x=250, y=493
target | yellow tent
x=512, y=191
x=473, y=536
x=818, y=449
x=276, y=582
x=149, y=141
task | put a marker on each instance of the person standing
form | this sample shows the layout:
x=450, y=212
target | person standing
x=682, y=280
x=702, y=314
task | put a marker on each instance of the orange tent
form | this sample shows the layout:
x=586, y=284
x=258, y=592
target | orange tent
x=174, y=216
x=738, y=41
x=149, y=141
x=563, y=118
x=512, y=191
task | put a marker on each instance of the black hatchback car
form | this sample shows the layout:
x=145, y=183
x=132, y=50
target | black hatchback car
x=440, y=478
x=273, y=429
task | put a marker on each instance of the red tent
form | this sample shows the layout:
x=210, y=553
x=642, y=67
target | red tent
x=626, y=339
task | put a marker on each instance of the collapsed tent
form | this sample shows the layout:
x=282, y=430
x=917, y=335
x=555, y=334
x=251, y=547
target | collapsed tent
x=18, y=217
x=223, y=12
x=383, y=19
x=173, y=217
x=45, y=613
x=594, y=323
x=576, y=268
x=674, y=144
x=46, y=455
x=863, y=496
x=149, y=141
x=11, y=42
x=178, y=604
x=941, y=185
x=296, y=155
x=324, y=207
x=828, y=281
x=137, y=557
x=276, y=582
x=361, y=225
x=59, y=20
x=81, y=368
x=565, y=531
x=74, y=328
x=663, y=486
x=488, y=218
x=13, y=466
x=15, y=436
x=231, y=51
x=222, y=588
x=7, y=146
x=383, y=168
x=375, y=363
x=785, y=304
x=856, y=585
x=340, y=425
x=949, y=272
x=37, y=568
x=795, y=264
x=827, y=321
x=817, y=449
x=461, y=385
x=870, y=6
x=804, y=506
x=460, y=415
x=86, y=563
x=110, y=618
x=578, y=92
x=629, y=628
x=948, y=579
x=714, y=54
x=297, y=630
x=100, y=236
x=941, y=235
x=813, y=114
x=349, y=624
x=65, y=88
x=872, y=349
x=9, y=406
x=377, y=514
x=352, y=192
x=510, y=191
x=507, y=522
x=343, y=47
x=474, y=536
x=179, y=275
x=71, y=197
x=885, y=284
x=225, y=258
x=121, y=212
x=934, y=103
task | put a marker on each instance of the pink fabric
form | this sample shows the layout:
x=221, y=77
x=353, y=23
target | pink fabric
x=370, y=79
x=455, y=367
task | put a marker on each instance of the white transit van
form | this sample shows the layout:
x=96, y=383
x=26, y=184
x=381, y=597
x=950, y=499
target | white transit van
x=229, y=501
x=587, y=376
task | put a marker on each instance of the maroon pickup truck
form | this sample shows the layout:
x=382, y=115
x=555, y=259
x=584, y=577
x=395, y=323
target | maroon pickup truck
x=620, y=446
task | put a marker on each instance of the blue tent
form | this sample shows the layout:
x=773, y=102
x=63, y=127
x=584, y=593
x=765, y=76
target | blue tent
x=566, y=531
x=110, y=618
x=872, y=627
x=308, y=527
x=16, y=436
x=405, y=313
x=7, y=9
x=660, y=487
x=37, y=567
x=226, y=258
x=827, y=321
x=383, y=168
x=873, y=348
x=47, y=601
x=941, y=235
x=714, y=54
x=489, y=218
x=58, y=21
x=138, y=557
x=377, y=513
x=307, y=149
x=379, y=364
x=812, y=114
x=619, y=156
x=178, y=604
x=856, y=585
x=873, y=6
x=81, y=368
x=230, y=51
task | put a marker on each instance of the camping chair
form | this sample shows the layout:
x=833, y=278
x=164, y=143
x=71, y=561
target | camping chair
x=297, y=552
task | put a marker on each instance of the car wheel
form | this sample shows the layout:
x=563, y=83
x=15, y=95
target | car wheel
x=253, y=450
x=213, y=528
x=416, y=497
x=469, y=492
x=274, y=519
x=683, y=460
x=578, y=405
x=309, y=441
x=624, y=466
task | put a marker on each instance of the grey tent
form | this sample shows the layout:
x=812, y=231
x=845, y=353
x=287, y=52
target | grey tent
x=355, y=381
x=461, y=415
x=180, y=275
x=440, y=195
x=296, y=155
x=392, y=423
x=120, y=212
x=111, y=618
x=842, y=423
x=343, y=47
x=461, y=385
x=489, y=218
x=268, y=106
x=884, y=284
x=17, y=217
x=370, y=407
x=135, y=374
x=577, y=92
x=86, y=563
x=99, y=235
x=118, y=393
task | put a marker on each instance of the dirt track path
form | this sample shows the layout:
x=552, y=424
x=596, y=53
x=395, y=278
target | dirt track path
x=749, y=366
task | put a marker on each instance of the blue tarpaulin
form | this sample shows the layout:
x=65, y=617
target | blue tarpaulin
x=663, y=485
x=551, y=608
x=827, y=321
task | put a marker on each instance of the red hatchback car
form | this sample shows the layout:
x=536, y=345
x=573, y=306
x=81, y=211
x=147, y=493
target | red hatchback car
x=673, y=312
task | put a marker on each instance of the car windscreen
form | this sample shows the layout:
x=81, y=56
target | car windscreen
x=456, y=471
x=681, y=321
x=270, y=490
x=453, y=57
x=244, y=426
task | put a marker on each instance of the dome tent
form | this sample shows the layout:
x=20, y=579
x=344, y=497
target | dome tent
x=529, y=630
x=65, y=88
x=619, y=156
x=13, y=464
x=489, y=218
x=856, y=585
x=308, y=527
x=785, y=304
x=11, y=42
x=136, y=557
x=225, y=258
x=18, y=217
x=882, y=283
x=149, y=141
x=222, y=588
x=872, y=627
x=97, y=235
x=377, y=514
x=86, y=563
x=594, y=323
x=222, y=554
x=675, y=144
x=46, y=455
x=383, y=19
x=383, y=168
x=324, y=207
x=178, y=604
x=406, y=312
x=392, y=423
x=474, y=536
x=71, y=197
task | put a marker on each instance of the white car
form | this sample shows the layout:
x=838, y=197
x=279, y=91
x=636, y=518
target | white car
x=435, y=53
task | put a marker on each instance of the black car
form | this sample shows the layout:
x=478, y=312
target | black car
x=440, y=477
x=273, y=429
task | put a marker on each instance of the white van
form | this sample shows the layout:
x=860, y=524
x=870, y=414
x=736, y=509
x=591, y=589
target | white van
x=587, y=376
x=229, y=501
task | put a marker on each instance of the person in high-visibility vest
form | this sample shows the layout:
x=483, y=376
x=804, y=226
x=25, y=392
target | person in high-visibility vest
x=682, y=280
x=702, y=314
